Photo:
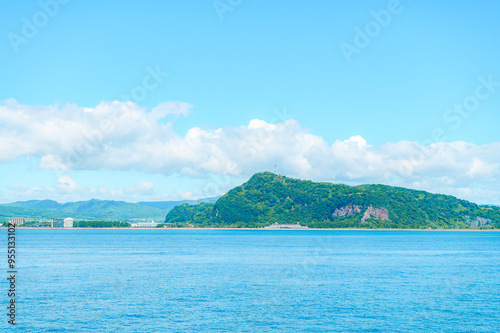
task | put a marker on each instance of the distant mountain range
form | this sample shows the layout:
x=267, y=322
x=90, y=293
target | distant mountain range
x=93, y=209
x=269, y=198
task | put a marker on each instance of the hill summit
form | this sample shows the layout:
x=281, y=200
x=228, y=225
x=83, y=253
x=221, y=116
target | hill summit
x=268, y=198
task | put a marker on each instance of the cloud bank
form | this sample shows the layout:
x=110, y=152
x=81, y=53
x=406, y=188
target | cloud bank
x=124, y=136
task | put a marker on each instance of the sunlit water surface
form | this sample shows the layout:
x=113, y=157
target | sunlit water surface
x=255, y=281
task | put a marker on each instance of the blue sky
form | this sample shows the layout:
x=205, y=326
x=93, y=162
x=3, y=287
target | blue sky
x=238, y=70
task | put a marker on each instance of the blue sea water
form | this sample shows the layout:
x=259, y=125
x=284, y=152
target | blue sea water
x=254, y=281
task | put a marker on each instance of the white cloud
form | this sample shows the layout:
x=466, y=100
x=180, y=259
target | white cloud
x=170, y=108
x=67, y=184
x=124, y=136
x=67, y=189
x=144, y=187
x=186, y=195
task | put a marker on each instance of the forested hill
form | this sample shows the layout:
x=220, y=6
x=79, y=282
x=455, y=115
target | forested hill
x=92, y=209
x=267, y=198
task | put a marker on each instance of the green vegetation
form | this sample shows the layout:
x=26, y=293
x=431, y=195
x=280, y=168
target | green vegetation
x=100, y=224
x=37, y=224
x=9, y=211
x=186, y=214
x=267, y=198
x=91, y=210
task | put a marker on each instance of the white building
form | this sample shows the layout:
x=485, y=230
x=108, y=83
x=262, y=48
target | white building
x=151, y=224
x=68, y=222
x=276, y=225
x=17, y=220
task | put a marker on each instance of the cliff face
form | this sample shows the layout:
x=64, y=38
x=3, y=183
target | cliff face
x=370, y=212
x=269, y=198
x=376, y=213
x=347, y=210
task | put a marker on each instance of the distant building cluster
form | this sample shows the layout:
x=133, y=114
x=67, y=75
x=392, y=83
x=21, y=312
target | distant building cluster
x=54, y=222
x=62, y=223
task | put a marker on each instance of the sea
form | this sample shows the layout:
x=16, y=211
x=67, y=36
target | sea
x=200, y=280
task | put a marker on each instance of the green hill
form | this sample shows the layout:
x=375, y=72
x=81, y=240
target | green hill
x=168, y=205
x=91, y=209
x=8, y=211
x=268, y=198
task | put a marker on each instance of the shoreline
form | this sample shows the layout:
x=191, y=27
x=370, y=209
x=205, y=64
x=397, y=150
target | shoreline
x=262, y=229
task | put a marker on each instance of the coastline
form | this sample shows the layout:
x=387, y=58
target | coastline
x=262, y=229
